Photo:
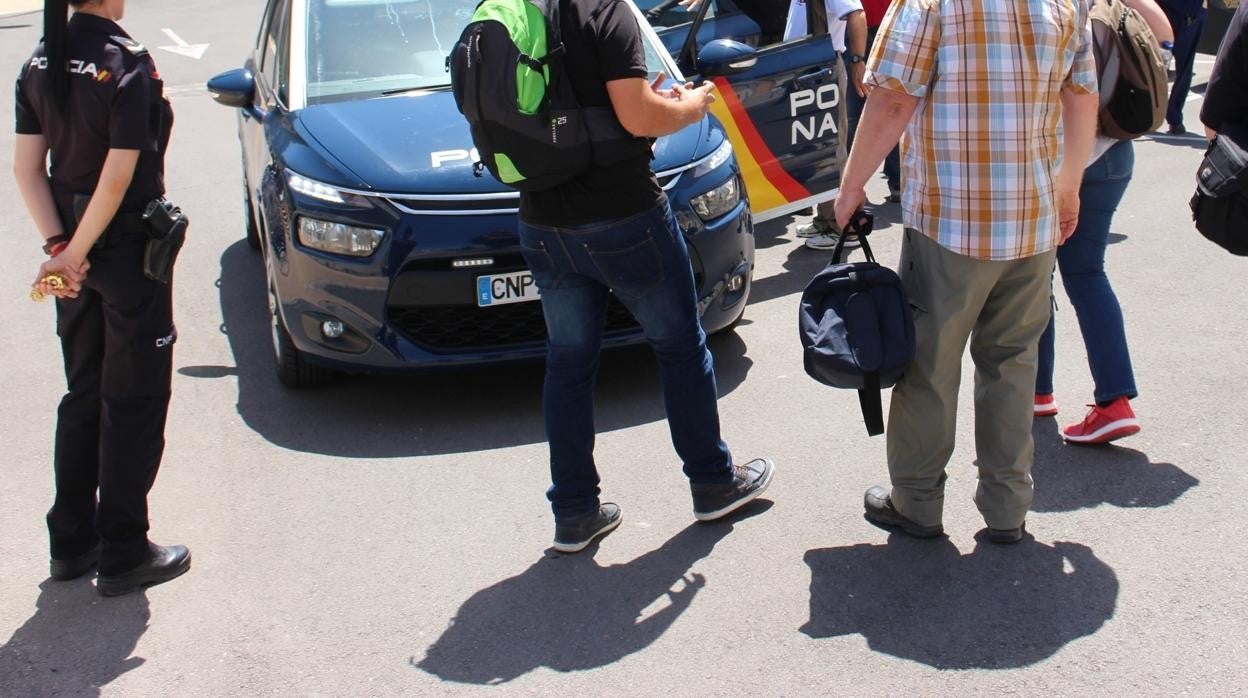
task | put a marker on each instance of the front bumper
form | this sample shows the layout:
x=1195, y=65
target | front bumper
x=407, y=309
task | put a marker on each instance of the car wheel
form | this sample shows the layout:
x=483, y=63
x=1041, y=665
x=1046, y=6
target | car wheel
x=293, y=370
x=249, y=219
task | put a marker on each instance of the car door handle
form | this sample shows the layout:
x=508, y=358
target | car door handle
x=811, y=78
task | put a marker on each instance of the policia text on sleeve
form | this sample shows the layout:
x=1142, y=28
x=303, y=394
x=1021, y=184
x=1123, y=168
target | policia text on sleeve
x=89, y=103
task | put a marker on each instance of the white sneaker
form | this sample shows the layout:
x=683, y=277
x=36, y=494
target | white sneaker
x=824, y=241
x=817, y=226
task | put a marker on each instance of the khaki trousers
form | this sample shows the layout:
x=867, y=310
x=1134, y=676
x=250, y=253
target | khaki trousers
x=1002, y=308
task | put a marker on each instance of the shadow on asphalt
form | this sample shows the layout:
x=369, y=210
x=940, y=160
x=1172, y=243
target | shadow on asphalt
x=1190, y=139
x=75, y=643
x=568, y=613
x=1082, y=477
x=393, y=416
x=1000, y=607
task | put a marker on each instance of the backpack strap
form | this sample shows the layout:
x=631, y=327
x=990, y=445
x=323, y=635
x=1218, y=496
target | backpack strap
x=871, y=403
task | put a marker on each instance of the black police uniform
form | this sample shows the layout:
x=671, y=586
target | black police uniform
x=118, y=335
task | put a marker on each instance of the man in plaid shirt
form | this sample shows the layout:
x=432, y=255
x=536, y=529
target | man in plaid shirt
x=991, y=187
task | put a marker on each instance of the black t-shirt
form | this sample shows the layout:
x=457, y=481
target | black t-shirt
x=115, y=101
x=603, y=43
x=1226, y=97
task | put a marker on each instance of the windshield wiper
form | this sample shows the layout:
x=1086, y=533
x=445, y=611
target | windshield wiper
x=426, y=88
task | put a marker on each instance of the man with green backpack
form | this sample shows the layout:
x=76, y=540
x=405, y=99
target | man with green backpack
x=594, y=222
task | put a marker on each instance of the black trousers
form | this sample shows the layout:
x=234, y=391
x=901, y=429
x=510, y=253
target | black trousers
x=117, y=339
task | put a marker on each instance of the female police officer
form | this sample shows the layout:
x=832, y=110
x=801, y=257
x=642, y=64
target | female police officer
x=92, y=97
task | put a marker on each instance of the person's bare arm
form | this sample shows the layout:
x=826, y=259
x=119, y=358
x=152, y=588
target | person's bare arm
x=1154, y=16
x=30, y=168
x=105, y=200
x=888, y=111
x=646, y=111
x=856, y=42
x=1079, y=128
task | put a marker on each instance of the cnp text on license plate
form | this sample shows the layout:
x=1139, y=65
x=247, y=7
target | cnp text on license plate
x=501, y=289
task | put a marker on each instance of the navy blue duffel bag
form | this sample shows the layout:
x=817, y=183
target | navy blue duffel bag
x=856, y=326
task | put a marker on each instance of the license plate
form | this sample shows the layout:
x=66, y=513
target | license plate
x=501, y=289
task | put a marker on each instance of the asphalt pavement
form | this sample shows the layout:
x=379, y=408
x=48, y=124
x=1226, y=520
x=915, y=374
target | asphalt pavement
x=388, y=536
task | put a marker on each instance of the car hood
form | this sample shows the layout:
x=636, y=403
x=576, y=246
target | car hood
x=419, y=143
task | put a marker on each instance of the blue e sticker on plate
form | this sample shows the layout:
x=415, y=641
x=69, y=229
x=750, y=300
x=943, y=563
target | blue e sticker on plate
x=484, y=297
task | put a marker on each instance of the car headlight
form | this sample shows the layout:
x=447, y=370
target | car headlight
x=716, y=158
x=338, y=238
x=324, y=192
x=717, y=201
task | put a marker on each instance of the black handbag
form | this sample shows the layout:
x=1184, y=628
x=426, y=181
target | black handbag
x=1220, y=205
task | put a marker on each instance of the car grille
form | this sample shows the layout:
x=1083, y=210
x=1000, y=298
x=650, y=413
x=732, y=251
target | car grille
x=467, y=328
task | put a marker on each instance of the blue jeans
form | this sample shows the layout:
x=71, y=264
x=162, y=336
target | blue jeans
x=1082, y=263
x=644, y=262
x=1186, y=38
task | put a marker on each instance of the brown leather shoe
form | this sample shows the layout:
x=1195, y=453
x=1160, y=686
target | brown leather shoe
x=879, y=510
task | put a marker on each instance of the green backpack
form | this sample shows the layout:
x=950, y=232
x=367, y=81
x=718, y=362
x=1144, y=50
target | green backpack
x=507, y=74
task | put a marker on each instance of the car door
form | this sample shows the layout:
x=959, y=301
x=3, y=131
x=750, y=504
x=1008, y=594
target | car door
x=269, y=65
x=785, y=115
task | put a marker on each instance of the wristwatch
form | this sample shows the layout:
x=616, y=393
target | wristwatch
x=852, y=58
x=55, y=245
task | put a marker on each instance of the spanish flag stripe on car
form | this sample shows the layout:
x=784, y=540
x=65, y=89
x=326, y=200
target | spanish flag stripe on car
x=766, y=182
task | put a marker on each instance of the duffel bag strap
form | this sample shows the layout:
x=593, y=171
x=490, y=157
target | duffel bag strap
x=870, y=401
x=859, y=226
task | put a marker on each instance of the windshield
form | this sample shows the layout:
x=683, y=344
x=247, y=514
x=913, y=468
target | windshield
x=367, y=47
x=357, y=49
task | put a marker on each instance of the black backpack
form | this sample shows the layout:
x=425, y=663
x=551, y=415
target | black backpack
x=856, y=326
x=1220, y=205
x=507, y=74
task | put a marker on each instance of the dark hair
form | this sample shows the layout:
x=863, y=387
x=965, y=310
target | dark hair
x=55, y=33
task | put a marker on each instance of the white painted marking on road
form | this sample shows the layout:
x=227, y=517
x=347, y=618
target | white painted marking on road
x=193, y=51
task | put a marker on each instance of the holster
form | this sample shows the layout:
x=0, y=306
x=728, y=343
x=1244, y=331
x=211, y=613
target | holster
x=166, y=233
x=159, y=256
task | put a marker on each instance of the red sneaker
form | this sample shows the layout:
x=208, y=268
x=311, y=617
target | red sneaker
x=1045, y=405
x=1104, y=424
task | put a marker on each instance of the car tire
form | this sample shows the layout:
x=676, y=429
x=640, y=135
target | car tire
x=249, y=215
x=293, y=369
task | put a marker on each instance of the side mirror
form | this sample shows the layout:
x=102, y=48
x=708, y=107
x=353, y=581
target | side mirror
x=725, y=57
x=234, y=88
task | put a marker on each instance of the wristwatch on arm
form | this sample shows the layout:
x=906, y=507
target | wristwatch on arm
x=55, y=245
x=852, y=58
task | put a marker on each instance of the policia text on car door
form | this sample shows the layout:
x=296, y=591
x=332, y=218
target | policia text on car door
x=91, y=97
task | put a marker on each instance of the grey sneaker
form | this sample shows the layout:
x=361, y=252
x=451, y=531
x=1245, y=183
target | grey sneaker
x=816, y=226
x=712, y=502
x=824, y=241
x=574, y=535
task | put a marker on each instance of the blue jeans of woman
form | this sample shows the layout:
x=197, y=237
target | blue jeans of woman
x=644, y=262
x=1082, y=264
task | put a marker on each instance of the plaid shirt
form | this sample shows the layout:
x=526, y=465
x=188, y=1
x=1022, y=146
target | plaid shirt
x=981, y=153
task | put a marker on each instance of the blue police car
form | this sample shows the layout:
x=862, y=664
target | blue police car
x=384, y=251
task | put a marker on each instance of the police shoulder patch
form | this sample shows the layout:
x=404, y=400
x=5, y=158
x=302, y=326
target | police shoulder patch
x=130, y=45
